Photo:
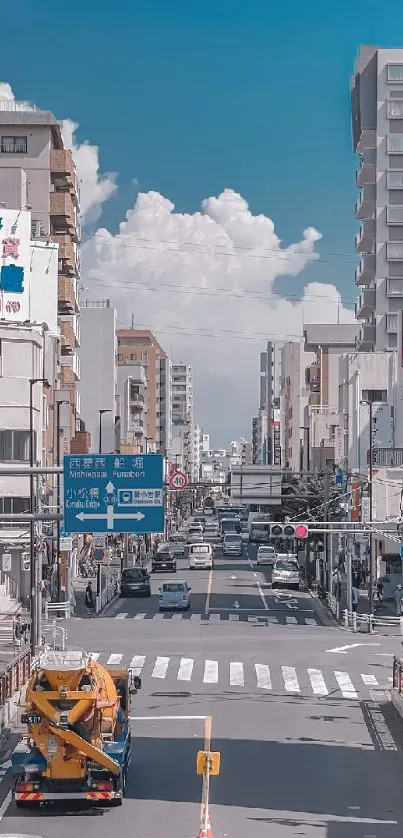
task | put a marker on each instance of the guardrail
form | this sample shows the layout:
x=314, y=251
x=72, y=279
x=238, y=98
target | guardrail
x=56, y=609
x=14, y=676
x=106, y=595
x=397, y=682
x=367, y=622
x=334, y=605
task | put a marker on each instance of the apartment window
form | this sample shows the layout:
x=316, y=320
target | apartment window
x=395, y=72
x=392, y=341
x=394, y=179
x=391, y=322
x=394, y=251
x=14, y=145
x=395, y=108
x=14, y=446
x=395, y=144
x=374, y=396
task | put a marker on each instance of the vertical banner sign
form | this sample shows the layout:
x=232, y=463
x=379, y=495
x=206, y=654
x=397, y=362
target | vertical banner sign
x=276, y=444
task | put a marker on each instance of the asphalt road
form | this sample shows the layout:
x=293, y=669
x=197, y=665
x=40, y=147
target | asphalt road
x=309, y=744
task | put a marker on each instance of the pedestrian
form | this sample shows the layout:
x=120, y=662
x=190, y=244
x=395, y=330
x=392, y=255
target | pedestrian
x=355, y=596
x=398, y=600
x=89, y=599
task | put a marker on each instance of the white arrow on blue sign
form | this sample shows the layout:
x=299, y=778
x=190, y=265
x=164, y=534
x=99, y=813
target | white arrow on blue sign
x=113, y=493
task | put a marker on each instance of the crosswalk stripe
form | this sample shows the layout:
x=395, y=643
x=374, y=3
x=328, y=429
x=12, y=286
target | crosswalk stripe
x=263, y=676
x=210, y=672
x=369, y=680
x=114, y=659
x=234, y=618
x=195, y=616
x=215, y=618
x=177, y=616
x=290, y=679
x=290, y=619
x=95, y=655
x=140, y=616
x=159, y=615
x=136, y=664
x=185, y=669
x=310, y=621
x=318, y=682
x=122, y=615
x=160, y=668
x=236, y=676
x=346, y=685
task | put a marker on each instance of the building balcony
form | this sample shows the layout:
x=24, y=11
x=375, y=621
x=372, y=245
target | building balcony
x=365, y=341
x=72, y=362
x=62, y=167
x=394, y=215
x=367, y=140
x=136, y=428
x=394, y=251
x=63, y=214
x=67, y=256
x=137, y=397
x=365, y=204
x=365, y=271
x=67, y=296
x=366, y=173
x=387, y=457
x=68, y=337
x=366, y=304
x=365, y=238
x=67, y=377
x=394, y=288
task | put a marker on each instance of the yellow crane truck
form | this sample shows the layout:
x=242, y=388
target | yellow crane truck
x=78, y=742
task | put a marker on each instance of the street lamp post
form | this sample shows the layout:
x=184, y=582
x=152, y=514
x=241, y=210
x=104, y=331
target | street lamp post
x=58, y=431
x=370, y=400
x=32, y=563
x=308, y=443
x=101, y=412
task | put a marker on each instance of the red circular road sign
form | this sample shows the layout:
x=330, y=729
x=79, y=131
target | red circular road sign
x=301, y=531
x=178, y=480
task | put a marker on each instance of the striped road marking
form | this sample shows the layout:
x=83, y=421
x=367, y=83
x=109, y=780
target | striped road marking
x=346, y=685
x=290, y=619
x=318, y=682
x=94, y=655
x=122, y=615
x=263, y=676
x=236, y=676
x=369, y=680
x=140, y=616
x=234, y=618
x=114, y=659
x=160, y=668
x=185, y=669
x=137, y=663
x=210, y=672
x=290, y=679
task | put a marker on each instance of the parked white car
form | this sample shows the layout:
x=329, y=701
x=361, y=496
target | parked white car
x=266, y=554
x=201, y=556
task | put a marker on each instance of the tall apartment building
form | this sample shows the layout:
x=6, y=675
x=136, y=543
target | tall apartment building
x=98, y=385
x=269, y=450
x=377, y=119
x=293, y=400
x=141, y=355
x=38, y=173
x=183, y=426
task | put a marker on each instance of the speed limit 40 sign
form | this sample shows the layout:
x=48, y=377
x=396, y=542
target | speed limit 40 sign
x=178, y=480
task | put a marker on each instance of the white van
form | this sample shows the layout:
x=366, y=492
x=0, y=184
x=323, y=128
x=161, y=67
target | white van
x=201, y=556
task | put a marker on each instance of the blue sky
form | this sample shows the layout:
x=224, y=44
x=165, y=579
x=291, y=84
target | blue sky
x=191, y=96
x=188, y=97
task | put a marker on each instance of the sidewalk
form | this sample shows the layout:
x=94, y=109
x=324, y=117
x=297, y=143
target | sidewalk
x=79, y=586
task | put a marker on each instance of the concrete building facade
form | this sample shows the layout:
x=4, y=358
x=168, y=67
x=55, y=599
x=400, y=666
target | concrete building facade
x=98, y=387
x=293, y=400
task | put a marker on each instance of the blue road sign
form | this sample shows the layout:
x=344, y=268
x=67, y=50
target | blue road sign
x=401, y=551
x=113, y=493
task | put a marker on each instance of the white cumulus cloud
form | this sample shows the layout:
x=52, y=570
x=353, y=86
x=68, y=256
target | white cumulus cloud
x=95, y=189
x=203, y=282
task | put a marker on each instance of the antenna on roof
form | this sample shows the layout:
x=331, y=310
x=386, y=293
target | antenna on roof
x=133, y=321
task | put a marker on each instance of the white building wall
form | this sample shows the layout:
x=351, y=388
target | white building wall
x=98, y=383
x=294, y=398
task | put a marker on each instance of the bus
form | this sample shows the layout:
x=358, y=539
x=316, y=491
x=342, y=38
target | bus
x=241, y=512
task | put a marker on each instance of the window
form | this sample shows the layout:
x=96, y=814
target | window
x=395, y=72
x=395, y=144
x=394, y=179
x=374, y=396
x=391, y=322
x=14, y=446
x=394, y=251
x=395, y=108
x=14, y=145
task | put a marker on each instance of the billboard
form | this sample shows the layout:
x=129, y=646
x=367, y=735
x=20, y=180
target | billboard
x=28, y=274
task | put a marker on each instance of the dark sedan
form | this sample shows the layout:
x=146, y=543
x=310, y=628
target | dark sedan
x=163, y=560
x=135, y=581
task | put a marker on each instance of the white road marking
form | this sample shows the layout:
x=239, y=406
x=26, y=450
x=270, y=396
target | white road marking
x=290, y=679
x=290, y=619
x=140, y=616
x=185, y=669
x=318, y=682
x=167, y=718
x=263, y=676
x=195, y=616
x=369, y=680
x=310, y=621
x=210, y=672
x=346, y=685
x=159, y=615
x=137, y=663
x=236, y=676
x=5, y=804
x=259, y=587
x=114, y=659
x=94, y=655
x=122, y=615
x=233, y=618
x=342, y=650
x=215, y=618
x=177, y=616
x=160, y=668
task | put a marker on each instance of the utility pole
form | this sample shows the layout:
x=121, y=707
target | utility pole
x=370, y=540
x=326, y=493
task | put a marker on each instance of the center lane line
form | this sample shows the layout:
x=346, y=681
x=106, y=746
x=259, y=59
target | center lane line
x=259, y=587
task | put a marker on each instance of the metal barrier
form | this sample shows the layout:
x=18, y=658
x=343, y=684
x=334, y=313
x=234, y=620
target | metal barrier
x=54, y=609
x=14, y=676
x=367, y=622
x=106, y=595
x=334, y=605
x=54, y=636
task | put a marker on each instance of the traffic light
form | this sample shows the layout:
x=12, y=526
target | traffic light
x=288, y=531
x=25, y=561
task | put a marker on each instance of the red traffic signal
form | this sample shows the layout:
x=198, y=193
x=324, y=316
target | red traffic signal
x=301, y=531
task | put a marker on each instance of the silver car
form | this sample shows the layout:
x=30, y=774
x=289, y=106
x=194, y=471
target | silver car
x=286, y=572
x=266, y=555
